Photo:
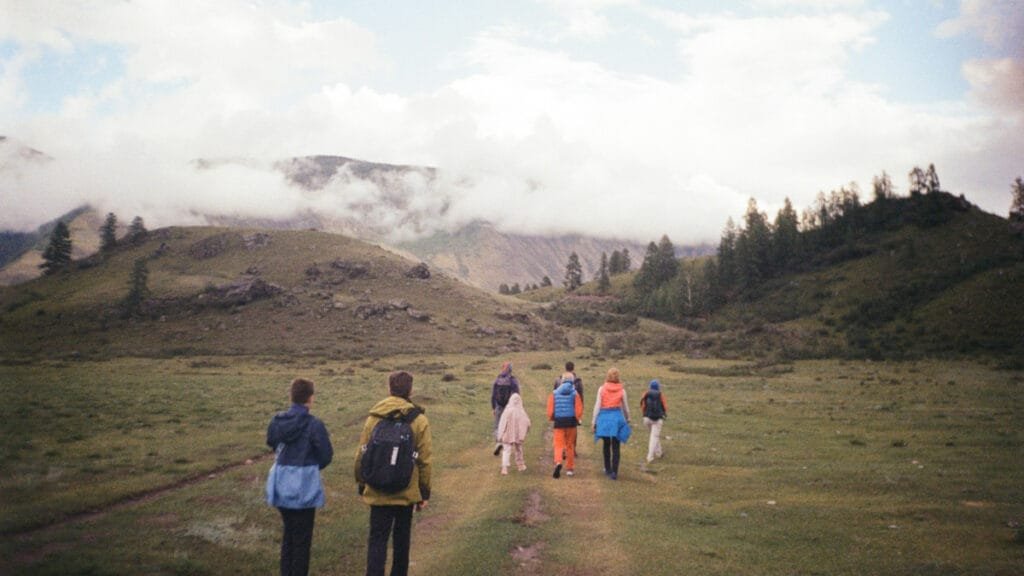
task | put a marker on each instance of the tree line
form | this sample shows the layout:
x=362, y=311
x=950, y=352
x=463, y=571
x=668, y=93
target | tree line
x=761, y=249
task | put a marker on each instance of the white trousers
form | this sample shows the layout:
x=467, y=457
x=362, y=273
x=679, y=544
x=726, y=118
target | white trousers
x=654, y=444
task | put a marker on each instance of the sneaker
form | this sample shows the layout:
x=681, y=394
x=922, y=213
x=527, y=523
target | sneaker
x=558, y=471
x=570, y=473
x=497, y=449
x=614, y=475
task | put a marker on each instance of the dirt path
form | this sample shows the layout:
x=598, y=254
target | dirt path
x=136, y=499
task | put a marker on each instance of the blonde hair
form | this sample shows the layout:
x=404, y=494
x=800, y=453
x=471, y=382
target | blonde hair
x=613, y=375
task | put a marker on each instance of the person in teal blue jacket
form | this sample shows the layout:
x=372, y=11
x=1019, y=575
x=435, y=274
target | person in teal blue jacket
x=303, y=448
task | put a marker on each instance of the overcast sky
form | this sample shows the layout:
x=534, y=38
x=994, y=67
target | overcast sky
x=627, y=118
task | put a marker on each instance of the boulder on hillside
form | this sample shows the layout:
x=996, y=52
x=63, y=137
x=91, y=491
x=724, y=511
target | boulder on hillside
x=351, y=270
x=211, y=247
x=239, y=292
x=420, y=271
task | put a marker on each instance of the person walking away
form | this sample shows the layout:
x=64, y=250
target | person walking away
x=294, y=487
x=505, y=385
x=655, y=409
x=611, y=421
x=391, y=507
x=512, y=430
x=565, y=409
x=577, y=383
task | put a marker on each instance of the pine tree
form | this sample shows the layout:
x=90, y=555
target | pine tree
x=1017, y=204
x=626, y=264
x=668, y=266
x=573, y=273
x=917, y=182
x=503, y=288
x=515, y=289
x=603, y=282
x=138, y=290
x=545, y=281
x=137, y=231
x=753, y=248
x=108, y=233
x=882, y=187
x=615, y=263
x=57, y=255
x=786, y=239
x=931, y=180
x=727, y=258
x=646, y=279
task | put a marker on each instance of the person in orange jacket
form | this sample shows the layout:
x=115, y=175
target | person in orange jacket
x=565, y=408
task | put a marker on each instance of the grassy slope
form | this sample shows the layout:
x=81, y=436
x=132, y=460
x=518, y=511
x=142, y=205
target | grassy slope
x=816, y=467
x=79, y=309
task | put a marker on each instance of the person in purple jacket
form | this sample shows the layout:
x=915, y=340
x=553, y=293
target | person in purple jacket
x=303, y=448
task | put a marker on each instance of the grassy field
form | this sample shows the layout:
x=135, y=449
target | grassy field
x=134, y=466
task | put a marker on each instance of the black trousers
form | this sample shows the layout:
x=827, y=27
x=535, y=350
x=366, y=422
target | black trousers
x=610, y=450
x=296, y=541
x=385, y=520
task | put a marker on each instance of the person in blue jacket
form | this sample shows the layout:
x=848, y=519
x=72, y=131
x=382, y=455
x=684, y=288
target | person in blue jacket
x=303, y=448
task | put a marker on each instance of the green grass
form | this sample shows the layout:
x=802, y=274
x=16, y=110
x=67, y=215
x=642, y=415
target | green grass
x=821, y=467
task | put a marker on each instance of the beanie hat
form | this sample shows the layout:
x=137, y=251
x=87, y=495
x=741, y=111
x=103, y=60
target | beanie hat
x=655, y=385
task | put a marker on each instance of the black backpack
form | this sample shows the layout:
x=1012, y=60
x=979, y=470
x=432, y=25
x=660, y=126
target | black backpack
x=652, y=407
x=502, y=392
x=390, y=455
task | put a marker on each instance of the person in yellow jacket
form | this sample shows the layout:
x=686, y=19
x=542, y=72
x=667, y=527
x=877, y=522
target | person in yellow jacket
x=392, y=512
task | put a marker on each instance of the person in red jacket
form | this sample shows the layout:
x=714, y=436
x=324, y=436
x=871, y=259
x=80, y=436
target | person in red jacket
x=565, y=408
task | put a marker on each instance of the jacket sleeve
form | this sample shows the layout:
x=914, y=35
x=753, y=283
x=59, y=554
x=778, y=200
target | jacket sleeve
x=322, y=444
x=597, y=407
x=664, y=405
x=579, y=408
x=625, y=403
x=515, y=386
x=643, y=403
x=551, y=406
x=423, y=447
x=494, y=395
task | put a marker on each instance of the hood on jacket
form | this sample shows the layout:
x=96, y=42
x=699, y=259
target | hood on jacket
x=566, y=388
x=655, y=385
x=287, y=427
x=514, y=401
x=390, y=404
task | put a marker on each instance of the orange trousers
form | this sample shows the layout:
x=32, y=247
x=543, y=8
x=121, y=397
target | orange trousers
x=565, y=439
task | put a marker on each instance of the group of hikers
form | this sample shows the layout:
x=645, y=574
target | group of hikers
x=392, y=465
x=565, y=405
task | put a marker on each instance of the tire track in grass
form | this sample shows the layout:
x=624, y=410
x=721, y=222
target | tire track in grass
x=132, y=500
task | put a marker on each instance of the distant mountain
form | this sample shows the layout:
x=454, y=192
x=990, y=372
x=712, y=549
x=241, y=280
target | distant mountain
x=400, y=206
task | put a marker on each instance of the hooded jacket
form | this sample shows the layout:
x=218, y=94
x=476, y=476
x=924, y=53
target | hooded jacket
x=419, y=486
x=514, y=423
x=303, y=449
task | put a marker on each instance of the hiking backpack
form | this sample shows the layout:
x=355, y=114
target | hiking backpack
x=502, y=392
x=390, y=455
x=652, y=407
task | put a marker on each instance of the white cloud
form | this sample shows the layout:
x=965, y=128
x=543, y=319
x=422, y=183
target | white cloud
x=998, y=22
x=534, y=139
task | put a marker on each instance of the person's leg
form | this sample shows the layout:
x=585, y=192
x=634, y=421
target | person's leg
x=381, y=520
x=297, y=540
x=520, y=460
x=615, y=456
x=402, y=540
x=606, y=452
x=652, y=440
x=570, y=448
x=656, y=434
x=505, y=450
x=559, y=444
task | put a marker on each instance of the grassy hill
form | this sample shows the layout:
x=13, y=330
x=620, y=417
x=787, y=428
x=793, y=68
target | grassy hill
x=951, y=288
x=223, y=291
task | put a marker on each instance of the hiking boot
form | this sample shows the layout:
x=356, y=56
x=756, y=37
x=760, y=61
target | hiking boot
x=557, y=472
x=613, y=475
